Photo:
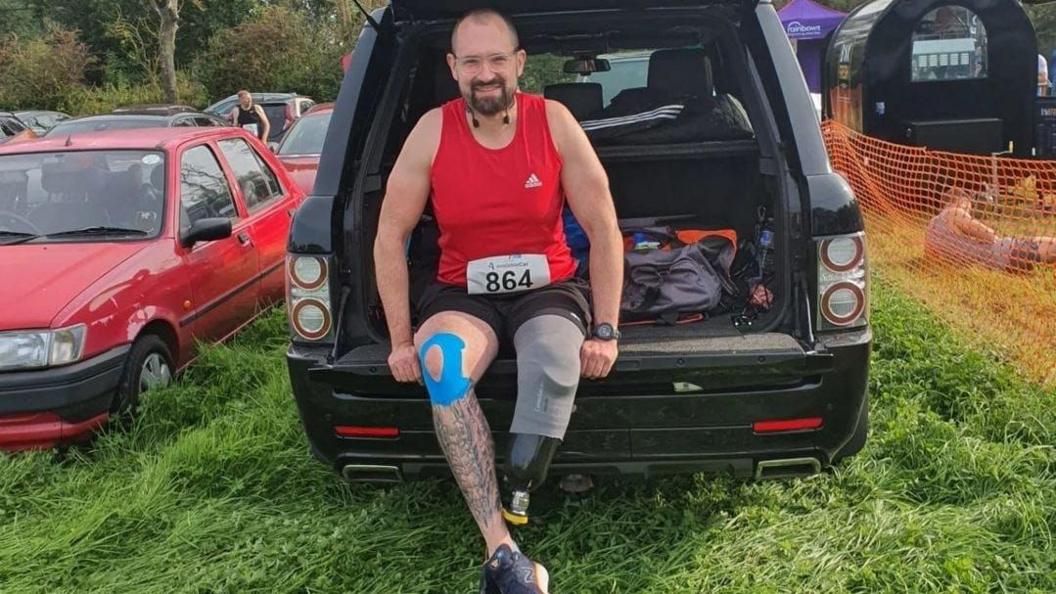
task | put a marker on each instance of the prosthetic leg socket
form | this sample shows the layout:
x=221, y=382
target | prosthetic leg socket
x=527, y=463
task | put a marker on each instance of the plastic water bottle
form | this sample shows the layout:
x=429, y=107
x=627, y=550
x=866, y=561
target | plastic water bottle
x=766, y=252
x=642, y=243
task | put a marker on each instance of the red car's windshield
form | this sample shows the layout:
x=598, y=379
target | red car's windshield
x=118, y=193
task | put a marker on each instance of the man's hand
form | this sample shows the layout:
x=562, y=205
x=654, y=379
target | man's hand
x=596, y=358
x=403, y=361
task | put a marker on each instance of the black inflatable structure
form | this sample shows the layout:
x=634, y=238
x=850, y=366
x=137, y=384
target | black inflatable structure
x=958, y=76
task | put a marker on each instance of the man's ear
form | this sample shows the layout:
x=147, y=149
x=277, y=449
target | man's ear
x=522, y=57
x=451, y=65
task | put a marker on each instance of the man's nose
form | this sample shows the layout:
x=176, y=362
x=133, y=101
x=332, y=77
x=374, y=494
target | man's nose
x=486, y=73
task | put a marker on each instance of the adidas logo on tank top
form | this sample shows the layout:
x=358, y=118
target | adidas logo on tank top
x=532, y=182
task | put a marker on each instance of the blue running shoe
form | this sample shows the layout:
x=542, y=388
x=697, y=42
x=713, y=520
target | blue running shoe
x=510, y=572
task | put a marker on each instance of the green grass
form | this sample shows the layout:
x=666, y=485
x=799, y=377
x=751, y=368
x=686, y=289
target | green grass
x=213, y=490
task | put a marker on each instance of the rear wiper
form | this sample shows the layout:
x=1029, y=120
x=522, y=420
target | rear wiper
x=16, y=237
x=98, y=230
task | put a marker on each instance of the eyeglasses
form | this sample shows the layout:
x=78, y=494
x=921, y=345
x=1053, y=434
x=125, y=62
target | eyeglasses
x=473, y=64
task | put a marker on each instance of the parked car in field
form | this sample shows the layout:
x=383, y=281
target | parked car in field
x=282, y=109
x=41, y=121
x=12, y=129
x=783, y=392
x=119, y=250
x=138, y=117
x=303, y=143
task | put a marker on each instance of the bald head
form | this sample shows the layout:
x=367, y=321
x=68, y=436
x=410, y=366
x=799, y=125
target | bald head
x=486, y=60
x=484, y=19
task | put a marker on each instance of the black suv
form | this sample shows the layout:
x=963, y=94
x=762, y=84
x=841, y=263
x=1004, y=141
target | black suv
x=781, y=394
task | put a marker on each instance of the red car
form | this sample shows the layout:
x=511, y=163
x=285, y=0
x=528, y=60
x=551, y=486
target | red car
x=119, y=250
x=303, y=143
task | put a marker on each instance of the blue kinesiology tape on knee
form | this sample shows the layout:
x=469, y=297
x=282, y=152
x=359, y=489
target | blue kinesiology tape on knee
x=452, y=385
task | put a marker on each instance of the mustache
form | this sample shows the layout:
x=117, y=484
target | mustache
x=497, y=82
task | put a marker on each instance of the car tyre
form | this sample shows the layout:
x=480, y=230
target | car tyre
x=150, y=365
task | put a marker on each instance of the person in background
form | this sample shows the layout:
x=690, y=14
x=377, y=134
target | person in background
x=954, y=235
x=1043, y=76
x=250, y=116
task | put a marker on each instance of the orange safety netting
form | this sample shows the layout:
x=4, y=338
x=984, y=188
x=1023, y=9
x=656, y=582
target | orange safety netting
x=973, y=237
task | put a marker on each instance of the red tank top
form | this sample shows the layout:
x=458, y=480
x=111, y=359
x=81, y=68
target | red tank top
x=497, y=202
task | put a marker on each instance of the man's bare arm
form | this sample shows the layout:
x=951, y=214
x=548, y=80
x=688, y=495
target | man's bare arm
x=967, y=224
x=587, y=191
x=405, y=198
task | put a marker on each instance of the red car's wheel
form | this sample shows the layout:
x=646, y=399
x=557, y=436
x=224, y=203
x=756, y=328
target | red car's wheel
x=149, y=366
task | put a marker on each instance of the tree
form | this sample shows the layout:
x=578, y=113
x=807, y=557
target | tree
x=204, y=18
x=309, y=61
x=18, y=17
x=169, y=17
x=41, y=72
x=1044, y=19
x=124, y=35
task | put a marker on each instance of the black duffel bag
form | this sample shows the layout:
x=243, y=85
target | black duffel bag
x=665, y=285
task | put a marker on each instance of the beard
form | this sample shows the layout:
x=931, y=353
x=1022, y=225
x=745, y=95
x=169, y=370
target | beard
x=489, y=106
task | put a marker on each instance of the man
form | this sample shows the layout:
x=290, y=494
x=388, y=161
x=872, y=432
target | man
x=955, y=235
x=250, y=116
x=1043, y=75
x=498, y=165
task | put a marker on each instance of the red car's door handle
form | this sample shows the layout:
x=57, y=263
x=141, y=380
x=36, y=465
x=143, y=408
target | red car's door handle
x=244, y=239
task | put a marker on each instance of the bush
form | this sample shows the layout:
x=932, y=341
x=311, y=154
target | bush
x=103, y=99
x=41, y=73
x=279, y=50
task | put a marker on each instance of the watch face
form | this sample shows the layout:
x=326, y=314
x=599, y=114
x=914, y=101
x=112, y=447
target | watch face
x=604, y=331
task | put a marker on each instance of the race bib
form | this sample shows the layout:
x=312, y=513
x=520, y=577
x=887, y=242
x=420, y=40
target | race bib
x=507, y=274
x=252, y=129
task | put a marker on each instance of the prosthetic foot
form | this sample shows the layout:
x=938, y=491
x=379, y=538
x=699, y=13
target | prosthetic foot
x=526, y=466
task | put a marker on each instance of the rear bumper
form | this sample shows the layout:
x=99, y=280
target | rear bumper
x=48, y=407
x=640, y=434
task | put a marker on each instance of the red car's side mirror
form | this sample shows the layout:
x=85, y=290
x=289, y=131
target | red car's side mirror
x=206, y=230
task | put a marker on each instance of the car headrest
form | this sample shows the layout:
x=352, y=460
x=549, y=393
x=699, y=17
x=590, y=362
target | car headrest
x=681, y=72
x=61, y=179
x=582, y=99
x=157, y=177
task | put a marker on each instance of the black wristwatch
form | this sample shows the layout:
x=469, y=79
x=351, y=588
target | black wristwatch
x=606, y=332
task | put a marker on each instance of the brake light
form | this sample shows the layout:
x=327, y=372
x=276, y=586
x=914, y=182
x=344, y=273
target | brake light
x=308, y=296
x=375, y=432
x=778, y=426
x=308, y=272
x=843, y=282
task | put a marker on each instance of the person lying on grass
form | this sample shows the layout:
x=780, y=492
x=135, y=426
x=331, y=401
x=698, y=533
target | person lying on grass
x=954, y=235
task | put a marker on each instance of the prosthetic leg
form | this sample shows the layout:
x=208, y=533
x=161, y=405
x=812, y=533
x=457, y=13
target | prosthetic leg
x=547, y=378
x=527, y=463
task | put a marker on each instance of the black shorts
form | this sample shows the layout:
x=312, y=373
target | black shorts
x=505, y=313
